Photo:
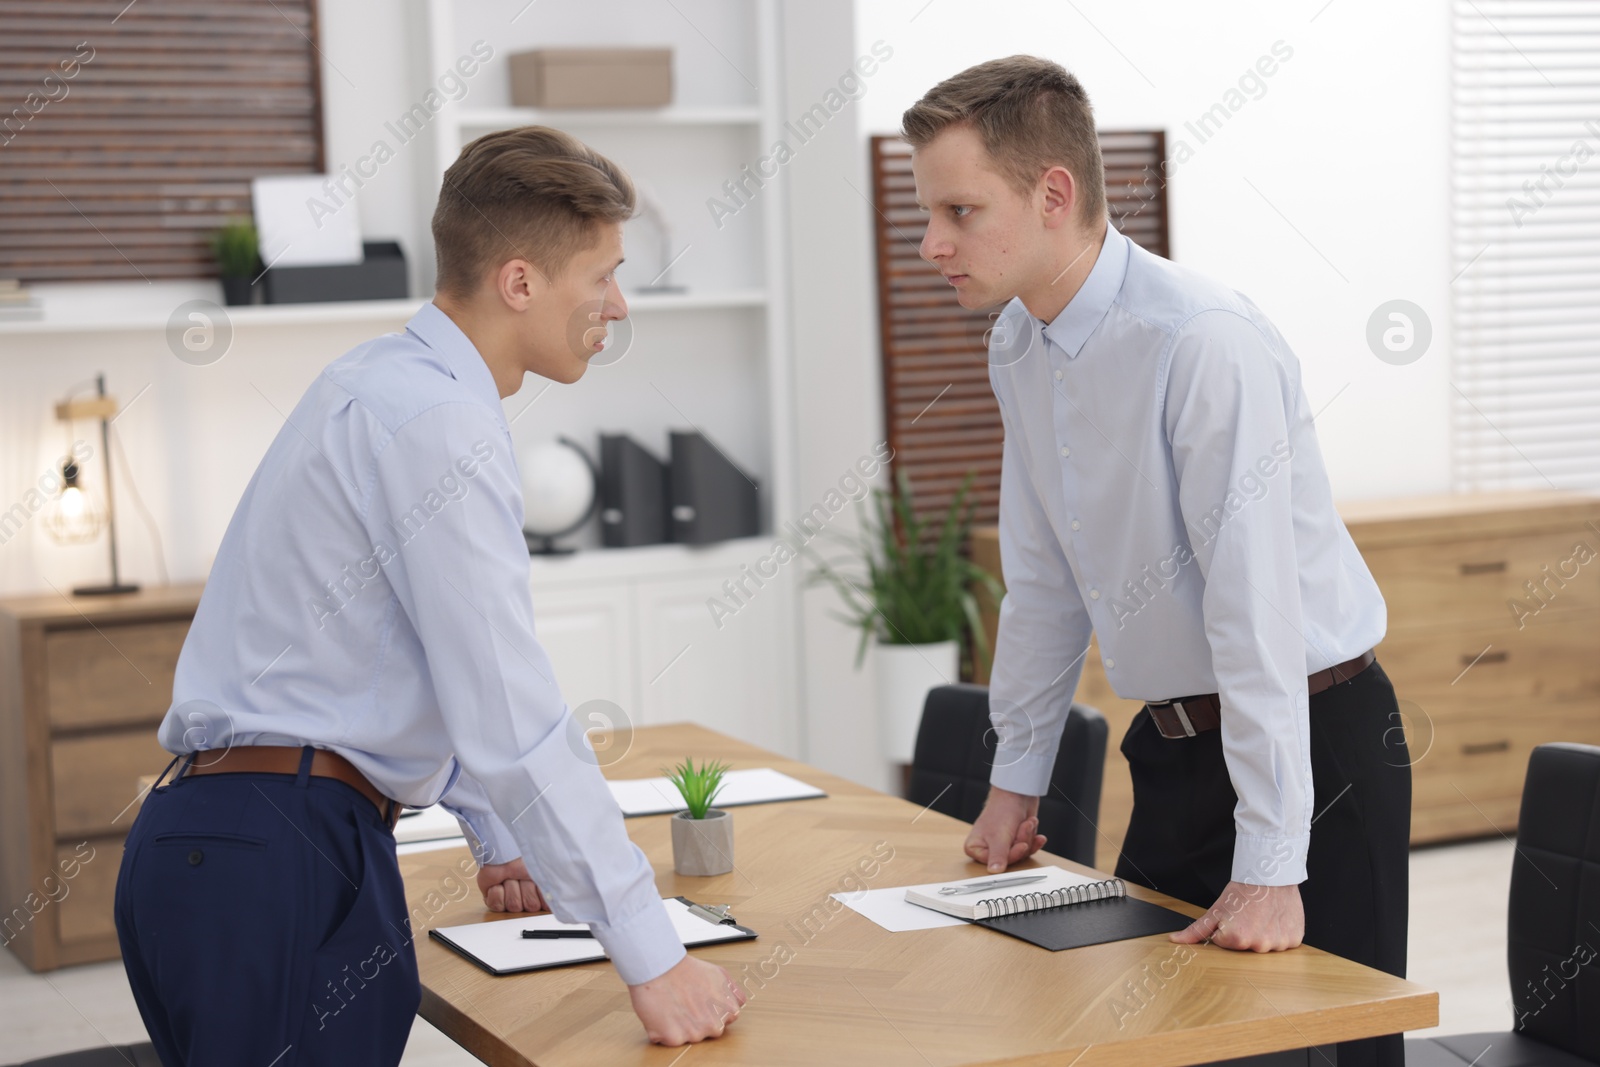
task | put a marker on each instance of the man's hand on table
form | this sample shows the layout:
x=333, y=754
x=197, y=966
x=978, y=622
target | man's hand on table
x=508, y=887
x=1007, y=831
x=691, y=1002
x=1258, y=918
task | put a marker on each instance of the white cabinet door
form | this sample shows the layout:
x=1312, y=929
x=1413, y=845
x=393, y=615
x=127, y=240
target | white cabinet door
x=588, y=634
x=736, y=678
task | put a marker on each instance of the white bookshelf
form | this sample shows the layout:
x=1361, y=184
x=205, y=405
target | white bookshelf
x=614, y=620
x=576, y=120
x=70, y=317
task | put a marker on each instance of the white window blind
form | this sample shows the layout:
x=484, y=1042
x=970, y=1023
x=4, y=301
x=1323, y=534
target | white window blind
x=1525, y=220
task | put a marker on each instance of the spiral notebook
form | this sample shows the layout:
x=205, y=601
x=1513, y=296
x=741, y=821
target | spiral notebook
x=1065, y=910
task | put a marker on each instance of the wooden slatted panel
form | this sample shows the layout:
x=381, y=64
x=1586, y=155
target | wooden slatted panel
x=122, y=169
x=941, y=415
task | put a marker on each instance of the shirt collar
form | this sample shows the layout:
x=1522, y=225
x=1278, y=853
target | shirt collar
x=439, y=332
x=1073, y=325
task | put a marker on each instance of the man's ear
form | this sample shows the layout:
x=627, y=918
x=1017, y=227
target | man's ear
x=1059, y=197
x=520, y=283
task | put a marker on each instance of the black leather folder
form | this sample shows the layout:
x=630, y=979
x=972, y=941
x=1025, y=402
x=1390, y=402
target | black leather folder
x=1093, y=922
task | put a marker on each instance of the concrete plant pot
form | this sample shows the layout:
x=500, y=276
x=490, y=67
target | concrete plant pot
x=702, y=847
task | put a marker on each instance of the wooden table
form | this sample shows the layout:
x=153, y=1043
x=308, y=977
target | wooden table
x=830, y=987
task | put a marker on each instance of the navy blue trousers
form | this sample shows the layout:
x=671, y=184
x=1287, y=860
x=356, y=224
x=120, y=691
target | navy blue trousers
x=263, y=922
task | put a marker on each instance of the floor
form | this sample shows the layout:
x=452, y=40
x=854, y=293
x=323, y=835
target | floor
x=1457, y=946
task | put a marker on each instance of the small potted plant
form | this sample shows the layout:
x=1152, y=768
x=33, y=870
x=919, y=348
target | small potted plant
x=236, y=249
x=702, y=837
x=911, y=596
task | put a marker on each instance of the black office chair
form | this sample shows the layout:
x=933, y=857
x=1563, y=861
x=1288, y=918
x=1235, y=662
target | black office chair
x=955, y=750
x=141, y=1055
x=1553, y=932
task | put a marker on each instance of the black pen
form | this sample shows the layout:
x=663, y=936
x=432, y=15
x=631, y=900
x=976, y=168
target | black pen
x=552, y=935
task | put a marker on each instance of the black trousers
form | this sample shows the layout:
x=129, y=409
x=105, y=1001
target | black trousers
x=1180, y=838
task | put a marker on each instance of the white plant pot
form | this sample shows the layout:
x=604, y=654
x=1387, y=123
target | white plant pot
x=905, y=674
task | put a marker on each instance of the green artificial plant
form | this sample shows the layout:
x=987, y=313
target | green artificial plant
x=698, y=785
x=236, y=248
x=913, y=583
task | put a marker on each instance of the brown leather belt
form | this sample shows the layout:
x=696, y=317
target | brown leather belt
x=1188, y=716
x=284, y=759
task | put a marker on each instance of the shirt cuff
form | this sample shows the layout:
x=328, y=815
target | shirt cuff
x=1270, y=860
x=489, y=838
x=1022, y=770
x=643, y=946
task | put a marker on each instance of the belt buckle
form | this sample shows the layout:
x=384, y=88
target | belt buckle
x=1183, y=719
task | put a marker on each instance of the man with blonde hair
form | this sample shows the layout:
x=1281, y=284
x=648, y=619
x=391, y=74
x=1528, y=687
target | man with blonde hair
x=366, y=640
x=1161, y=488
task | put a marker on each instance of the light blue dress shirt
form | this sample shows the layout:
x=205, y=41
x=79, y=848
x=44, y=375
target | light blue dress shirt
x=371, y=597
x=1161, y=487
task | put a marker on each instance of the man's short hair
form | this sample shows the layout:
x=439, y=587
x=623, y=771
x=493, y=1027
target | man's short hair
x=1031, y=114
x=529, y=193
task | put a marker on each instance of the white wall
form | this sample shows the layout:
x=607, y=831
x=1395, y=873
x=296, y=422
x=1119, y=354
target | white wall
x=1348, y=144
x=837, y=389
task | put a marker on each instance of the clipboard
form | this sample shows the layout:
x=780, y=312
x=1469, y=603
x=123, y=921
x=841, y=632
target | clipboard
x=499, y=947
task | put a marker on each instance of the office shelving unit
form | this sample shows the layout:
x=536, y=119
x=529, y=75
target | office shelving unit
x=632, y=627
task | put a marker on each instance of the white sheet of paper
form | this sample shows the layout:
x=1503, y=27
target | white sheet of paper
x=409, y=847
x=890, y=909
x=756, y=785
x=500, y=945
x=298, y=224
x=428, y=824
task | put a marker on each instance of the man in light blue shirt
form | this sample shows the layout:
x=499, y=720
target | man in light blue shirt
x=366, y=638
x=1162, y=490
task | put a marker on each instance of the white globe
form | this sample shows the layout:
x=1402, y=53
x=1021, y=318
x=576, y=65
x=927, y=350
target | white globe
x=557, y=487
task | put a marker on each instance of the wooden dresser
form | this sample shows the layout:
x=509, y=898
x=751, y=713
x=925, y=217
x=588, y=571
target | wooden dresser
x=84, y=681
x=1493, y=647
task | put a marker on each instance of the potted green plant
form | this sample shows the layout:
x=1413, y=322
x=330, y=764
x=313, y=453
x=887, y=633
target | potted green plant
x=238, y=256
x=908, y=587
x=702, y=837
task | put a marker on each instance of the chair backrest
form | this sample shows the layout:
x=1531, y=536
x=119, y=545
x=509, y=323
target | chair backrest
x=955, y=751
x=1553, y=929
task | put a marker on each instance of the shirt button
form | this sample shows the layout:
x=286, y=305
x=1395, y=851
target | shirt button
x=1094, y=594
x=1110, y=663
x=1076, y=524
x=1058, y=376
x=1065, y=451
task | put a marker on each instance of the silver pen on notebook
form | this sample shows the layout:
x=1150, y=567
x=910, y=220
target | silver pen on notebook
x=991, y=883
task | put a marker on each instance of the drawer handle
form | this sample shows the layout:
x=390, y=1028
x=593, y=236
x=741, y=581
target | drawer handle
x=1487, y=657
x=1496, y=567
x=1485, y=747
